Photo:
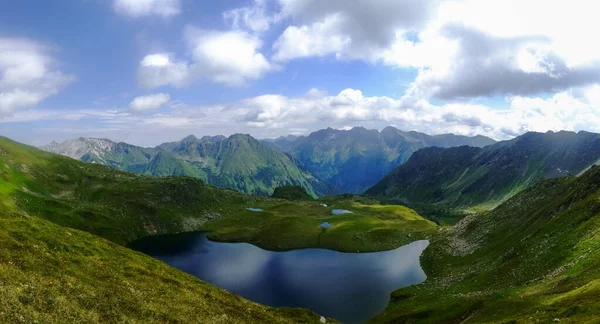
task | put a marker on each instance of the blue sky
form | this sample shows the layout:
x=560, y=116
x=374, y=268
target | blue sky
x=150, y=71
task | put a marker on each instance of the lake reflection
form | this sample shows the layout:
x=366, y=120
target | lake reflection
x=351, y=287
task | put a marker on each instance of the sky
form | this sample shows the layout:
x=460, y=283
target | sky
x=151, y=71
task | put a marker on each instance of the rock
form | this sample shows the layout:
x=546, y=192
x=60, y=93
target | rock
x=323, y=320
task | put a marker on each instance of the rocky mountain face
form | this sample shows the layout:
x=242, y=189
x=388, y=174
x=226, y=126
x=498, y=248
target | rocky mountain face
x=464, y=177
x=354, y=160
x=239, y=162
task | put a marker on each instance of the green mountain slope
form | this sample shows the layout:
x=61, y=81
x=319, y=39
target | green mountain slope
x=534, y=258
x=239, y=162
x=291, y=193
x=55, y=274
x=354, y=160
x=464, y=177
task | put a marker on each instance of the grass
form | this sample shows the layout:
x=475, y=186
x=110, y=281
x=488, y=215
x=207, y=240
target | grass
x=64, y=224
x=293, y=225
x=51, y=274
x=535, y=258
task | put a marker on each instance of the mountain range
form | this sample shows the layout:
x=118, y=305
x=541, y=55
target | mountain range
x=237, y=162
x=325, y=162
x=353, y=160
x=467, y=177
x=533, y=258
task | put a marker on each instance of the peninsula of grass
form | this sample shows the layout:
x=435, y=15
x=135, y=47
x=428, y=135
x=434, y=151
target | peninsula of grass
x=295, y=225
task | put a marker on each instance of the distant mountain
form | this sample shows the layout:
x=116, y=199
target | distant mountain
x=283, y=142
x=354, y=160
x=326, y=161
x=464, y=177
x=239, y=162
x=243, y=163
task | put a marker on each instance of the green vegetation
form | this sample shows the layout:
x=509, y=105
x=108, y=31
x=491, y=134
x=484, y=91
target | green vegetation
x=52, y=274
x=295, y=225
x=291, y=193
x=64, y=224
x=535, y=258
x=239, y=162
x=436, y=181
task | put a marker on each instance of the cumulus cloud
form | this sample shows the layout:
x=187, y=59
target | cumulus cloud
x=272, y=115
x=141, y=8
x=275, y=114
x=461, y=49
x=359, y=29
x=485, y=66
x=27, y=75
x=160, y=69
x=149, y=102
x=231, y=58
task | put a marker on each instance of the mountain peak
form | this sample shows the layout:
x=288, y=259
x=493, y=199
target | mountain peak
x=190, y=138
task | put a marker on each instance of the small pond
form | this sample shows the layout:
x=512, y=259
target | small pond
x=254, y=209
x=351, y=287
x=341, y=212
x=326, y=225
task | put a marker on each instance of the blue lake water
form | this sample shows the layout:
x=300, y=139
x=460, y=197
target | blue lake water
x=254, y=209
x=326, y=225
x=351, y=287
x=341, y=212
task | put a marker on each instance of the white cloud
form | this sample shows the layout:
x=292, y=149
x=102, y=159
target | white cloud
x=359, y=30
x=141, y=8
x=318, y=39
x=149, y=102
x=462, y=48
x=255, y=17
x=231, y=58
x=269, y=116
x=160, y=69
x=27, y=76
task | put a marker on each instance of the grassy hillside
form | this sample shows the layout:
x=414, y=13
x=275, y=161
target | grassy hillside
x=535, y=258
x=53, y=274
x=123, y=207
x=291, y=193
x=481, y=178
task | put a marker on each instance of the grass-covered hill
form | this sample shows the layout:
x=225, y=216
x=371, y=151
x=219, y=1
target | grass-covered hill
x=291, y=193
x=466, y=177
x=239, y=162
x=354, y=160
x=55, y=274
x=534, y=258
x=64, y=225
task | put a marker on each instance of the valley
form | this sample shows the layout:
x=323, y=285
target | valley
x=526, y=253
x=78, y=217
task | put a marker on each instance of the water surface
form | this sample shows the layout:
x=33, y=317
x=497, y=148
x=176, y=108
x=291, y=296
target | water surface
x=341, y=212
x=351, y=287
